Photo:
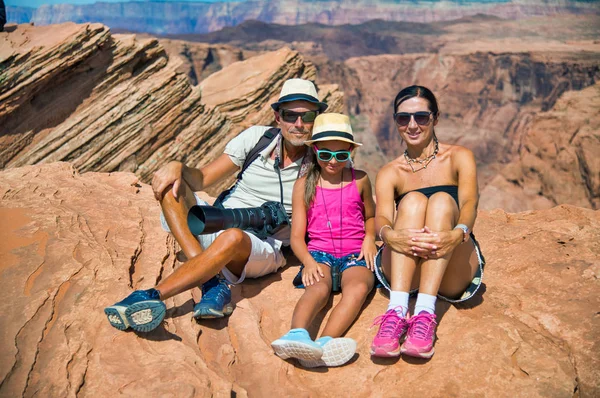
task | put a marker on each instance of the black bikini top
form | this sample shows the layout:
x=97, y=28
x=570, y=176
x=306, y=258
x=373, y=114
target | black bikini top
x=451, y=190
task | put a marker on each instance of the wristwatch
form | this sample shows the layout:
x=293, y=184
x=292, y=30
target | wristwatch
x=465, y=230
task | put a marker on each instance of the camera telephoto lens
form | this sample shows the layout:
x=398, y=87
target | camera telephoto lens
x=261, y=221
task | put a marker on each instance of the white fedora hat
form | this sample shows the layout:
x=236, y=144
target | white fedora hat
x=332, y=127
x=298, y=90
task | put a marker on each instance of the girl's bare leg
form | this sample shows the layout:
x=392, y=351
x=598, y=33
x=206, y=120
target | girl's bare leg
x=357, y=282
x=313, y=300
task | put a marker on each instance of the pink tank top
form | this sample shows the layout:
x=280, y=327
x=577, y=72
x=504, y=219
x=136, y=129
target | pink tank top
x=323, y=220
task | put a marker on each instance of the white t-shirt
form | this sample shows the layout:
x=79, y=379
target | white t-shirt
x=260, y=182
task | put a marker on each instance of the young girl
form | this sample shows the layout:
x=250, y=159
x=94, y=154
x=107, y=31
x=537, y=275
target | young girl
x=334, y=206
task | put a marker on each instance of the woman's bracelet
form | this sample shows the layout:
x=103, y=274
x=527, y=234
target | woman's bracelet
x=381, y=230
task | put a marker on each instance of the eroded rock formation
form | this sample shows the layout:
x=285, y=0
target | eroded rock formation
x=115, y=102
x=73, y=243
x=557, y=159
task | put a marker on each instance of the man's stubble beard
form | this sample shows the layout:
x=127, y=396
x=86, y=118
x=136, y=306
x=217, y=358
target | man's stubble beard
x=297, y=142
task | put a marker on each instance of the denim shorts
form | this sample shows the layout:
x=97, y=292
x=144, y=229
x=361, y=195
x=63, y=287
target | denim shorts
x=337, y=265
x=467, y=294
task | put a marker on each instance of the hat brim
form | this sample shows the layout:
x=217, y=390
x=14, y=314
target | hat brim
x=299, y=97
x=331, y=138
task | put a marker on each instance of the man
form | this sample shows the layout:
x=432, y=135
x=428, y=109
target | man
x=235, y=253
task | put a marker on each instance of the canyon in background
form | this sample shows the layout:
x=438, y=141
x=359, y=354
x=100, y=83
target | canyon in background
x=161, y=17
x=88, y=113
x=500, y=84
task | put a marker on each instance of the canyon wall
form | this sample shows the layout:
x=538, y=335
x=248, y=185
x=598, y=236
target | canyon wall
x=197, y=17
x=488, y=101
x=557, y=158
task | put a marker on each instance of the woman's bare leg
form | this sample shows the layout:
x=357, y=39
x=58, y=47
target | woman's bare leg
x=399, y=268
x=460, y=271
x=357, y=282
x=442, y=213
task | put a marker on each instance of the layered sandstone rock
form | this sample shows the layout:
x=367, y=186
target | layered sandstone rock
x=199, y=60
x=115, y=102
x=534, y=330
x=557, y=159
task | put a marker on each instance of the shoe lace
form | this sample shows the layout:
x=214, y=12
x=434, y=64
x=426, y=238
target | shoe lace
x=422, y=326
x=214, y=289
x=390, y=324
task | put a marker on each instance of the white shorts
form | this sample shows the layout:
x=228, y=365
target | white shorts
x=265, y=256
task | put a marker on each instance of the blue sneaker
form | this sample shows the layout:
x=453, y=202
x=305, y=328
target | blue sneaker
x=297, y=344
x=336, y=352
x=142, y=310
x=215, y=301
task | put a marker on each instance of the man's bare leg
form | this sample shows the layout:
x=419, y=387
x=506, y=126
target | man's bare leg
x=175, y=212
x=231, y=249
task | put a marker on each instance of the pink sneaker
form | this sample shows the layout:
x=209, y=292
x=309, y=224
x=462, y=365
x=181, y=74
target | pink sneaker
x=420, y=336
x=387, y=340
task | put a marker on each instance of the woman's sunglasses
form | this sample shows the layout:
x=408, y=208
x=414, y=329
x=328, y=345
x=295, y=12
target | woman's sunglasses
x=403, y=118
x=291, y=116
x=326, y=155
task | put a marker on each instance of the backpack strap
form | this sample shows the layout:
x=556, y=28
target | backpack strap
x=254, y=153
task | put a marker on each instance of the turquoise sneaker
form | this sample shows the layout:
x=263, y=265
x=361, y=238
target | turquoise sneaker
x=336, y=352
x=297, y=344
x=142, y=310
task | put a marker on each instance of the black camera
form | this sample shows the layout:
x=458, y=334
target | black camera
x=262, y=221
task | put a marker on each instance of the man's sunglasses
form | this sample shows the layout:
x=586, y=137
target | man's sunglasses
x=326, y=155
x=403, y=118
x=291, y=116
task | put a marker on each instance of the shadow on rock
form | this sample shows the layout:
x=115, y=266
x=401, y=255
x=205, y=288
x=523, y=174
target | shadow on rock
x=474, y=301
x=181, y=310
x=385, y=361
x=159, y=334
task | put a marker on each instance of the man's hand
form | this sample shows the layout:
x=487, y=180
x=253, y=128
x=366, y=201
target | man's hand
x=171, y=174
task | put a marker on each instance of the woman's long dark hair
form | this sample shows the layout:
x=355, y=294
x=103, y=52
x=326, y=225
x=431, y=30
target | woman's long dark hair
x=417, y=91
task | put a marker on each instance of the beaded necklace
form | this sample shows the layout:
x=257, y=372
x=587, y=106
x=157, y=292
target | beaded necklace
x=423, y=162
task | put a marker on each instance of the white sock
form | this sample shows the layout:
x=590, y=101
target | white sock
x=399, y=302
x=425, y=302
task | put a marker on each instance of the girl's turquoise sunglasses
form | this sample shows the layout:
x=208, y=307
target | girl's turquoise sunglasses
x=326, y=155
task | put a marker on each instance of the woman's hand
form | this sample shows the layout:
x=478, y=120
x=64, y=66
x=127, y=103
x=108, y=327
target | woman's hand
x=311, y=272
x=405, y=241
x=441, y=243
x=368, y=251
x=170, y=174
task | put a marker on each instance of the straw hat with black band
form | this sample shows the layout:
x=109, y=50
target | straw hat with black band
x=332, y=127
x=298, y=90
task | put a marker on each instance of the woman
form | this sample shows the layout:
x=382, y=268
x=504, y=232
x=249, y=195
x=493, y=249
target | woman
x=428, y=244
